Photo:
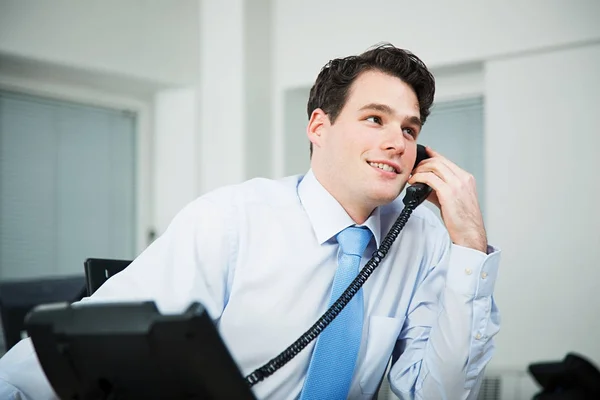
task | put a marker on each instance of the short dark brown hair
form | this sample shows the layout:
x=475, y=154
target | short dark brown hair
x=330, y=90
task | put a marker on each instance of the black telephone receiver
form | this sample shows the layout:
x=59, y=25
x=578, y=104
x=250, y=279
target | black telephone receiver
x=415, y=195
x=419, y=191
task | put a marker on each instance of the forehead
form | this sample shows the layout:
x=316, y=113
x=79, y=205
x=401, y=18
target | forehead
x=378, y=87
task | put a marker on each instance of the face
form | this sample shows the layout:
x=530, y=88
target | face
x=365, y=157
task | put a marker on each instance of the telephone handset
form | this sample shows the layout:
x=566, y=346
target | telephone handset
x=415, y=195
x=419, y=191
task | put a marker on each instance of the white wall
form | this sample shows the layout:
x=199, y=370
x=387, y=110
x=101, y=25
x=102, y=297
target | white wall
x=221, y=93
x=234, y=91
x=175, y=167
x=540, y=86
x=543, y=136
x=309, y=33
x=148, y=39
x=258, y=80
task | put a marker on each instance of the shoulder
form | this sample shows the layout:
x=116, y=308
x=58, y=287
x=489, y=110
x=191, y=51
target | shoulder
x=271, y=192
x=220, y=208
x=261, y=190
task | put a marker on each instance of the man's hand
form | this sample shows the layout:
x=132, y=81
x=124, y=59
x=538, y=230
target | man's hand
x=455, y=194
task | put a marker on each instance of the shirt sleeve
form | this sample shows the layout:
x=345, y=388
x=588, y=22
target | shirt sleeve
x=21, y=376
x=447, y=340
x=188, y=263
x=9, y=392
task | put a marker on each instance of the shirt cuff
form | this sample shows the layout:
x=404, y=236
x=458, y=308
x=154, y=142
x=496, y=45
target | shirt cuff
x=472, y=272
x=8, y=391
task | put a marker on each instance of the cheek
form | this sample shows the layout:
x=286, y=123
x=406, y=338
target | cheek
x=367, y=146
x=347, y=144
x=406, y=158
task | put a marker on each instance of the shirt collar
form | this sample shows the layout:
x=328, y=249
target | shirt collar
x=326, y=215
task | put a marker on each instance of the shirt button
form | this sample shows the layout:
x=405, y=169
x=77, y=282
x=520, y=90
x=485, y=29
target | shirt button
x=478, y=336
x=484, y=275
x=468, y=271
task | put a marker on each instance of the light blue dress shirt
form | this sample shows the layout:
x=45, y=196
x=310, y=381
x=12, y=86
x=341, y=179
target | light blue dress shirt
x=429, y=302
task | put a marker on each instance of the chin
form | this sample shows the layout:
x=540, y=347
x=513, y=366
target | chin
x=382, y=198
x=381, y=193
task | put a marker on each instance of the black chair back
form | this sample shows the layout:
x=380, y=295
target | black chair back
x=98, y=270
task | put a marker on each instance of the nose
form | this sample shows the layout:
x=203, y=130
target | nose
x=394, y=141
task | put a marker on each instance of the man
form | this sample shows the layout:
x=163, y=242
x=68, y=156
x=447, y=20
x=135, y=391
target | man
x=267, y=257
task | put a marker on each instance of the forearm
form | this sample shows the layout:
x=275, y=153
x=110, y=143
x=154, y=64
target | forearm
x=9, y=392
x=21, y=375
x=458, y=350
x=446, y=358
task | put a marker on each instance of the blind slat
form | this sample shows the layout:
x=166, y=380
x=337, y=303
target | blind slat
x=66, y=183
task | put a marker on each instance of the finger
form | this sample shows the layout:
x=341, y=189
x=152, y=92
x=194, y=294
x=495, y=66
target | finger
x=431, y=152
x=429, y=178
x=442, y=170
x=434, y=154
x=458, y=171
x=463, y=177
x=433, y=163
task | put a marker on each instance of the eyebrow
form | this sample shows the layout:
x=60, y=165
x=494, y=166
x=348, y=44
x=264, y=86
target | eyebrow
x=384, y=108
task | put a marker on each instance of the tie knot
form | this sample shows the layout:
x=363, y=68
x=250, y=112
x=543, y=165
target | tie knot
x=354, y=240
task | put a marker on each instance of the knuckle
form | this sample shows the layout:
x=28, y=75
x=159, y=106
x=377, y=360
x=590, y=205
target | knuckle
x=469, y=180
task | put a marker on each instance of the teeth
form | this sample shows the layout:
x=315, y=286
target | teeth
x=384, y=167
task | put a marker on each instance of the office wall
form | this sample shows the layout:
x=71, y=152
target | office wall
x=221, y=91
x=309, y=33
x=540, y=86
x=148, y=39
x=175, y=169
x=235, y=105
x=542, y=189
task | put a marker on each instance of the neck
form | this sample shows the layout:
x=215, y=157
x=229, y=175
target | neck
x=359, y=216
x=355, y=209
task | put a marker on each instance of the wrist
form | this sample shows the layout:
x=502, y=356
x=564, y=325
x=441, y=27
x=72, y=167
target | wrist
x=475, y=242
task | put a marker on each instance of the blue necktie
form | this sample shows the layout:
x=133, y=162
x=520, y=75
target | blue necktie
x=334, y=357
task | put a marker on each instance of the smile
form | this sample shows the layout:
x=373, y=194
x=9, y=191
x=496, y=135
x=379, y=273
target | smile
x=384, y=167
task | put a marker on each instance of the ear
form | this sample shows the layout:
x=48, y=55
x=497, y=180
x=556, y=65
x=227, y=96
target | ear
x=317, y=125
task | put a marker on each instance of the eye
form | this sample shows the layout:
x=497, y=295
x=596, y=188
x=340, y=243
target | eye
x=375, y=119
x=410, y=132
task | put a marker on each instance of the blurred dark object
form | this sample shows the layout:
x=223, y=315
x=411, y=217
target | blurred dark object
x=574, y=378
x=98, y=270
x=17, y=298
x=130, y=351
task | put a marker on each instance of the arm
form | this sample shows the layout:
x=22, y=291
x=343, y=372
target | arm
x=452, y=319
x=21, y=376
x=190, y=262
x=8, y=391
x=447, y=339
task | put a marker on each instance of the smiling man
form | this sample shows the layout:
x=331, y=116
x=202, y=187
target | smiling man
x=268, y=257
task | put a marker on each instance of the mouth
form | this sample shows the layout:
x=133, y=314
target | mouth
x=385, y=166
